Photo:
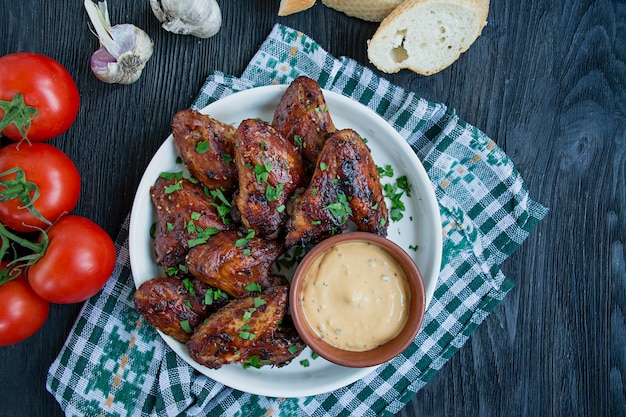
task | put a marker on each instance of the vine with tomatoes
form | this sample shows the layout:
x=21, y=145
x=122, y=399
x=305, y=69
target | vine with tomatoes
x=47, y=254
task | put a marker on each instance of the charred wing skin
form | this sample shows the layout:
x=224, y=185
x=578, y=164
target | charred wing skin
x=165, y=302
x=270, y=169
x=230, y=334
x=206, y=147
x=360, y=181
x=184, y=212
x=279, y=348
x=222, y=264
x=345, y=185
x=302, y=112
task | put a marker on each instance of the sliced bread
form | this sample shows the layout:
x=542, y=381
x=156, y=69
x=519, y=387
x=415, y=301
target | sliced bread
x=288, y=7
x=370, y=10
x=426, y=36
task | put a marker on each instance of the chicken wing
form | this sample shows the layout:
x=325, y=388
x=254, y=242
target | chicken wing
x=270, y=169
x=242, y=330
x=175, y=306
x=206, y=147
x=302, y=117
x=184, y=214
x=231, y=262
x=345, y=186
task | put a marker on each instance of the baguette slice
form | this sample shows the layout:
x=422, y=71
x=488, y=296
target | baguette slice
x=426, y=36
x=370, y=10
x=288, y=7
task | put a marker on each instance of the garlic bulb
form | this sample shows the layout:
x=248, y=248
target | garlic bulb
x=124, y=50
x=200, y=18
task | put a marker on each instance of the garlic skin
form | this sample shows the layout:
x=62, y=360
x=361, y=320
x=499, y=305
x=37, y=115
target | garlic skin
x=200, y=18
x=124, y=50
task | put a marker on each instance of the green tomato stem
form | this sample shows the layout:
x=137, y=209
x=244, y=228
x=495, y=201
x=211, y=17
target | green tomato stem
x=18, y=113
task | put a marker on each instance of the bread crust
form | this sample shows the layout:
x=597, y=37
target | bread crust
x=369, y=10
x=479, y=7
x=288, y=7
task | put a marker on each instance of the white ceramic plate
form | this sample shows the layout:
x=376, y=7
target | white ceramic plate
x=421, y=227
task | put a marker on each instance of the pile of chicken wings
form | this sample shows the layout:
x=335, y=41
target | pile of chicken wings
x=253, y=192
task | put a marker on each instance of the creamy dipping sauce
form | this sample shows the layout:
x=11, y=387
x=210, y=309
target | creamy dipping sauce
x=355, y=296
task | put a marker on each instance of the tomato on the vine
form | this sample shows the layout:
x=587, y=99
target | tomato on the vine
x=22, y=311
x=39, y=173
x=78, y=261
x=37, y=96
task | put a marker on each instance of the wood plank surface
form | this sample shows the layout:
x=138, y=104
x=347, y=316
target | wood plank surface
x=546, y=81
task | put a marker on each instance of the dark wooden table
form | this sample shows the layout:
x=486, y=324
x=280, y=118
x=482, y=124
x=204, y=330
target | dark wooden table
x=546, y=80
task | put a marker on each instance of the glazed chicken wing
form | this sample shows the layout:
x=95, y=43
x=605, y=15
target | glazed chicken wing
x=166, y=302
x=270, y=169
x=184, y=213
x=345, y=186
x=206, y=147
x=302, y=117
x=229, y=261
x=240, y=330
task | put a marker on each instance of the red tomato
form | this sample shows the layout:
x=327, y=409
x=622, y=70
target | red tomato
x=45, y=86
x=22, y=311
x=77, y=263
x=54, y=174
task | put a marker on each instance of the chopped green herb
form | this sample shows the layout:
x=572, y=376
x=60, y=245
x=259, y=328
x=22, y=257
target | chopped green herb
x=255, y=361
x=253, y=287
x=298, y=140
x=258, y=301
x=169, y=226
x=227, y=158
x=272, y=193
x=414, y=247
x=293, y=349
x=387, y=171
x=305, y=363
x=323, y=166
x=172, y=175
x=316, y=222
x=314, y=355
x=184, y=324
x=262, y=172
x=189, y=287
x=247, y=315
x=243, y=241
x=341, y=208
x=280, y=208
x=203, y=146
x=173, y=188
x=187, y=303
x=202, y=237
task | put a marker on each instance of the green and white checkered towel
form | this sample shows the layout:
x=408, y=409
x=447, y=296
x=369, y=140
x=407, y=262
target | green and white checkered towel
x=111, y=365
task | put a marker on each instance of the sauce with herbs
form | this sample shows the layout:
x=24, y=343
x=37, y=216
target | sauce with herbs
x=355, y=296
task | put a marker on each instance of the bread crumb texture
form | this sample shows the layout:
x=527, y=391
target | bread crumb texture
x=426, y=36
x=370, y=10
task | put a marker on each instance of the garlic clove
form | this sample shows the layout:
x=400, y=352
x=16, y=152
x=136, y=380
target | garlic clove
x=125, y=48
x=199, y=18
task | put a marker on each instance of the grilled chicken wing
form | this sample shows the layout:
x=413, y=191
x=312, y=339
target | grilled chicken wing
x=302, y=117
x=239, y=331
x=231, y=262
x=345, y=185
x=270, y=169
x=206, y=147
x=165, y=302
x=184, y=213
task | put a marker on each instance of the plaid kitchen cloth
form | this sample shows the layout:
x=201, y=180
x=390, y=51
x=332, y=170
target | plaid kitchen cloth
x=114, y=364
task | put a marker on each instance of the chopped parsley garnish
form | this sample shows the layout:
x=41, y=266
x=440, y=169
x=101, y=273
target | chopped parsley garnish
x=202, y=237
x=189, y=287
x=213, y=294
x=386, y=171
x=172, y=175
x=414, y=247
x=262, y=172
x=247, y=315
x=293, y=349
x=255, y=361
x=244, y=240
x=245, y=334
x=258, y=302
x=184, y=324
x=174, y=187
x=323, y=166
x=203, y=146
x=298, y=140
x=253, y=287
x=395, y=192
x=340, y=209
x=221, y=204
x=280, y=208
x=272, y=193
x=305, y=363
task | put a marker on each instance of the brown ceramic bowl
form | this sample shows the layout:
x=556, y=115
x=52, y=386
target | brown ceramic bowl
x=376, y=355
